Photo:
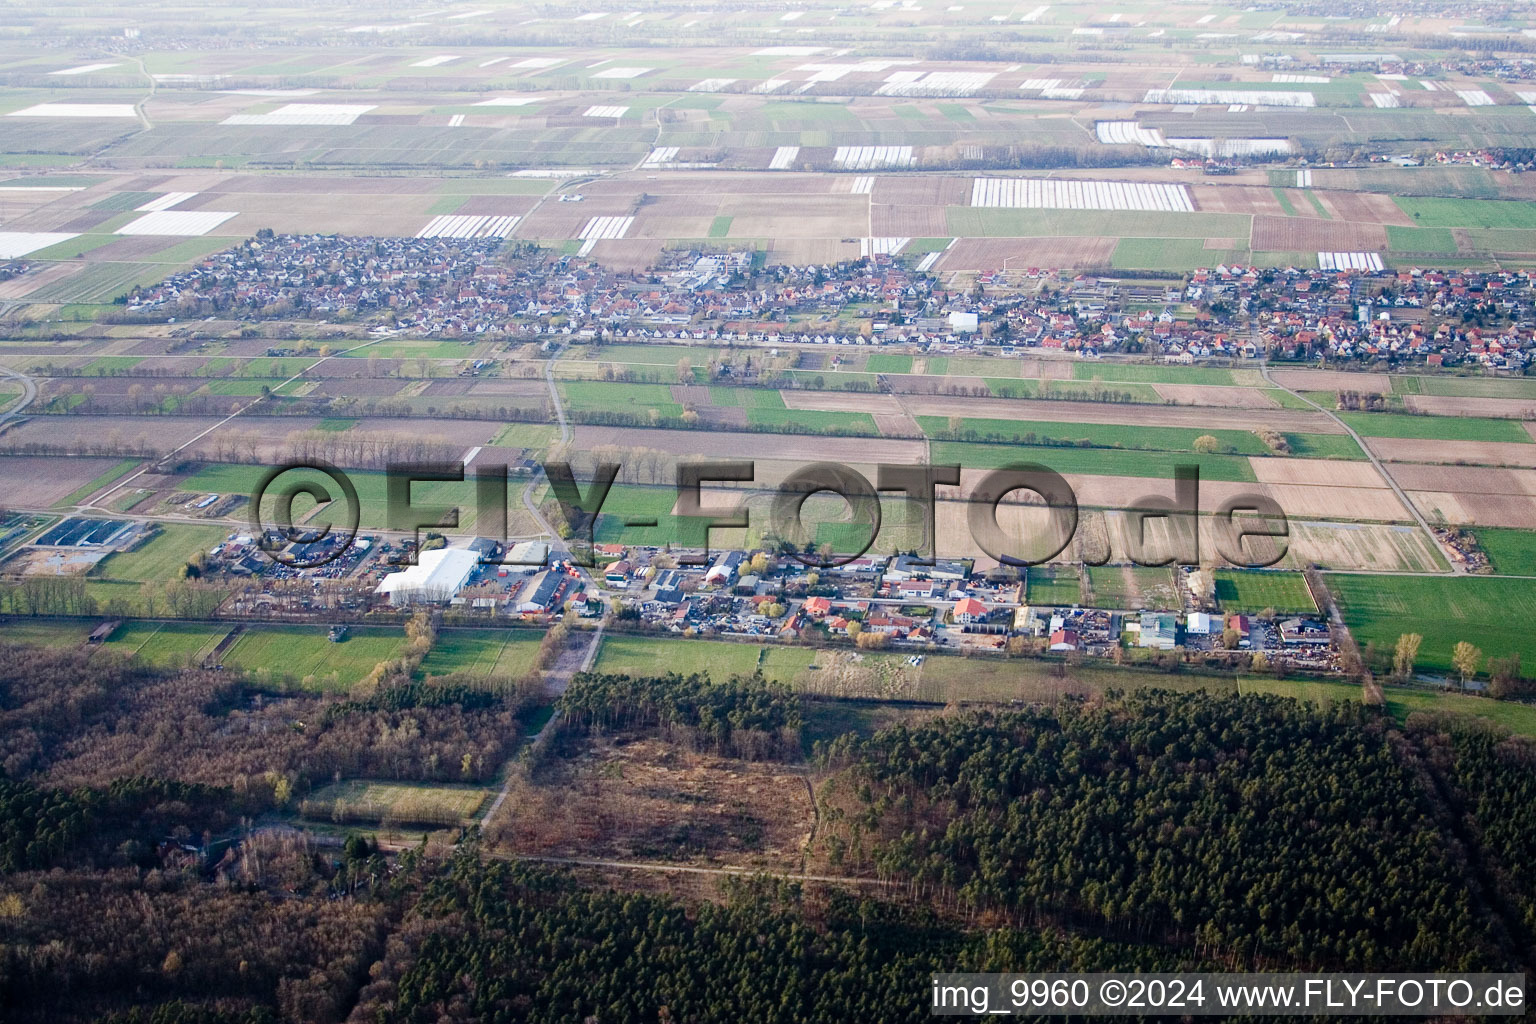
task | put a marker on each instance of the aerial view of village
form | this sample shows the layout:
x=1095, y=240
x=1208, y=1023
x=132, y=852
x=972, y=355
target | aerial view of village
x=686, y=512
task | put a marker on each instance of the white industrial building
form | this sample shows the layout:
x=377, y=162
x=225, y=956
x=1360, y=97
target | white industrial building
x=437, y=576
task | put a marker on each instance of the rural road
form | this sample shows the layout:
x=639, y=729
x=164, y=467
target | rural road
x=1402, y=495
x=28, y=393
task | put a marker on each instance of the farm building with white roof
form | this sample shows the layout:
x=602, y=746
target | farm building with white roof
x=437, y=576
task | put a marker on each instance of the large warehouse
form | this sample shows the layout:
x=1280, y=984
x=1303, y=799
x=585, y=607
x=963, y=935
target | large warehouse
x=437, y=576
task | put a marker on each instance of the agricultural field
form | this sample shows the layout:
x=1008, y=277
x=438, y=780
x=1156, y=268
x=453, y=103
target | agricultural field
x=167, y=644
x=163, y=556
x=1131, y=587
x=1436, y=428
x=304, y=656
x=1492, y=613
x=1255, y=591
x=1518, y=718
x=1057, y=585
x=718, y=659
x=482, y=653
x=1511, y=552
x=241, y=480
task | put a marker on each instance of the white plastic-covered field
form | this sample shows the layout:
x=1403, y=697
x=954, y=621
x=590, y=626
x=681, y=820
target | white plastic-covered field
x=659, y=156
x=76, y=110
x=868, y=158
x=1035, y=14
x=1475, y=97
x=602, y=228
x=1262, y=97
x=508, y=101
x=882, y=246
x=1384, y=100
x=605, y=112
x=863, y=185
x=1304, y=178
x=712, y=85
x=1301, y=79
x=164, y=202
x=788, y=51
x=186, y=223
x=783, y=158
x=1128, y=133
x=934, y=83
x=623, y=72
x=468, y=226
x=1232, y=147
x=1349, y=260
x=16, y=244
x=538, y=63
x=305, y=114
x=83, y=69
x=434, y=62
x=1050, y=89
x=1059, y=194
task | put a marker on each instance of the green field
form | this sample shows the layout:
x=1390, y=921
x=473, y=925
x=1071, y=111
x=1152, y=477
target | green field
x=1324, y=446
x=86, y=490
x=46, y=632
x=812, y=421
x=1132, y=587
x=886, y=362
x=167, y=643
x=163, y=556
x=227, y=478
x=1436, y=212
x=1315, y=691
x=1517, y=718
x=1401, y=239
x=1099, y=435
x=719, y=659
x=1145, y=374
x=486, y=653
x=1495, y=614
x=303, y=654
x=1096, y=461
x=603, y=396
x=1254, y=591
x=1172, y=254
x=1055, y=585
x=1512, y=552
x=1436, y=428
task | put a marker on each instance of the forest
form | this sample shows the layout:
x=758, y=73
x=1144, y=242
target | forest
x=151, y=873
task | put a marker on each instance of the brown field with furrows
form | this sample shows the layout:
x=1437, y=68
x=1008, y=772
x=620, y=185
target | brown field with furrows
x=837, y=401
x=908, y=222
x=38, y=277
x=79, y=432
x=723, y=445
x=831, y=216
x=1202, y=394
x=497, y=206
x=1023, y=253
x=1318, y=472
x=1442, y=405
x=39, y=481
x=1460, y=509
x=1378, y=546
x=361, y=387
x=921, y=190
x=1235, y=199
x=1333, y=380
x=674, y=216
x=497, y=387
x=565, y=220
x=641, y=799
x=1365, y=208
x=1530, y=428
x=1117, y=412
x=1464, y=479
x=897, y=425
x=630, y=254
x=689, y=183
x=1485, y=453
x=1311, y=234
x=1120, y=492
x=800, y=251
